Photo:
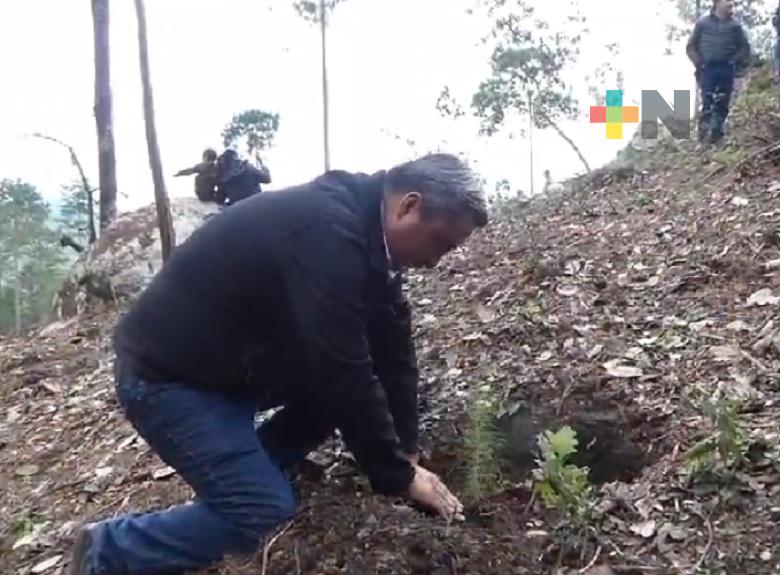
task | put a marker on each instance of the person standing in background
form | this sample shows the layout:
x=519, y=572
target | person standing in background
x=719, y=49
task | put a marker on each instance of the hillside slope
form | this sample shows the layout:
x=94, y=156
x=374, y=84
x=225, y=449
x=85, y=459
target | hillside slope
x=623, y=303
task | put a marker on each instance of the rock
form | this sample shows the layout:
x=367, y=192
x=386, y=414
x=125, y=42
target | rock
x=615, y=369
x=126, y=257
x=163, y=473
x=645, y=529
x=27, y=470
x=47, y=564
x=763, y=297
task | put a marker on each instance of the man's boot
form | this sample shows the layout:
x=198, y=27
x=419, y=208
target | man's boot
x=81, y=560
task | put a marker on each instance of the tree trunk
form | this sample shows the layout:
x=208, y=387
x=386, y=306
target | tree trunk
x=568, y=140
x=325, y=105
x=164, y=219
x=696, y=95
x=17, y=274
x=90, y=196
x=17, y=294
x=74, y=159
x=103, y=113
x=531, y=138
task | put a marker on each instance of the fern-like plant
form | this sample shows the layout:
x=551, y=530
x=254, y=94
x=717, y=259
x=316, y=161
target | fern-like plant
x=483, y=443
x=726, y=445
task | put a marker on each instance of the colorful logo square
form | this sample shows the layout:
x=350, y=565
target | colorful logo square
x=614, y=131
x=598, y=114
x=631, y=114
x=615, y=98
x=614, y=114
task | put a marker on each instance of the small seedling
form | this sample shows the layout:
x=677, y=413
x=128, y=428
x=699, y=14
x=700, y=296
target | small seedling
x=484, y=443
x=562, y=485
x=725, y=447
x=23, y=526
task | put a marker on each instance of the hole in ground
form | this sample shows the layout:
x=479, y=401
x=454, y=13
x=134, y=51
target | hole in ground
x=605, y=446
x=614, y=443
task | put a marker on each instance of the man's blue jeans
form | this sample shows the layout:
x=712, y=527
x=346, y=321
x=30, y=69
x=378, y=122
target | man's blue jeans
x=238, y=477
x=717, y=84
x=777, y=56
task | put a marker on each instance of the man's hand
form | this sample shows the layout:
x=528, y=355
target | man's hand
x=430, y=492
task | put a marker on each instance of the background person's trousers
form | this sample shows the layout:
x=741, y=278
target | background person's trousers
x=242, y=490
x=717, y=84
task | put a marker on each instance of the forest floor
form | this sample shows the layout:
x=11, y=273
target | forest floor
x=627, y=300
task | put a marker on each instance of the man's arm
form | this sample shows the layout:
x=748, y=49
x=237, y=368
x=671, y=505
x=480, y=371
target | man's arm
x=692, y=48
x=742, y=58
x=324, y=274
x=189, y=171
x=395, y=363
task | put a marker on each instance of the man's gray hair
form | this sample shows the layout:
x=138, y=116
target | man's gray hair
x=446, y=183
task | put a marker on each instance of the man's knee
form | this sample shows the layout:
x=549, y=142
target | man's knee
x=253, y=520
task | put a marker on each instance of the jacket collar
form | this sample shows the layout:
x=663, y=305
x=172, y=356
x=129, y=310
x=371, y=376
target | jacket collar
x=367, y=192
x=371, y=196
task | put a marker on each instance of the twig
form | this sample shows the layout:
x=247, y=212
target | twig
x=298, y=567
x=603, y=538
x=530, y=503
x=267, y=546
x=116, y=500
x=754, y=156
x=706, y=551
x=62, y=486
x=755, y=362
x=592, y=561
x=567, y=390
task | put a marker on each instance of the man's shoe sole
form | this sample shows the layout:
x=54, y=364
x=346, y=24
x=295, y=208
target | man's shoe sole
x=81, y=548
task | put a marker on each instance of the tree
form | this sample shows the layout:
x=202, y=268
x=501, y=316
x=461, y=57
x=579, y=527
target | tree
x=164, y=219
x=528, y=70
x=316, y=11
x=256, y=127
x=103, y=113
x=80, y=195
x=28, y=254
x=41, y=277
x=74, y=213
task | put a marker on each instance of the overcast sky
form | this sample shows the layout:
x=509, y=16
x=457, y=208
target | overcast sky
x=389, y=60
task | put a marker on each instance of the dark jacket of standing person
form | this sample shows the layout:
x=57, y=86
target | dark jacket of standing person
x=776, y=20
x=238, y=179
x=776, y=25
x=718, y=41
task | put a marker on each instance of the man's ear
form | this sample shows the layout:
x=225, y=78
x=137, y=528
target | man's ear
x=409, y=202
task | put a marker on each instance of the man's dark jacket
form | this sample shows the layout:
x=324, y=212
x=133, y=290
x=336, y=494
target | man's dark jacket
x=718, y=41
x=286, y=298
